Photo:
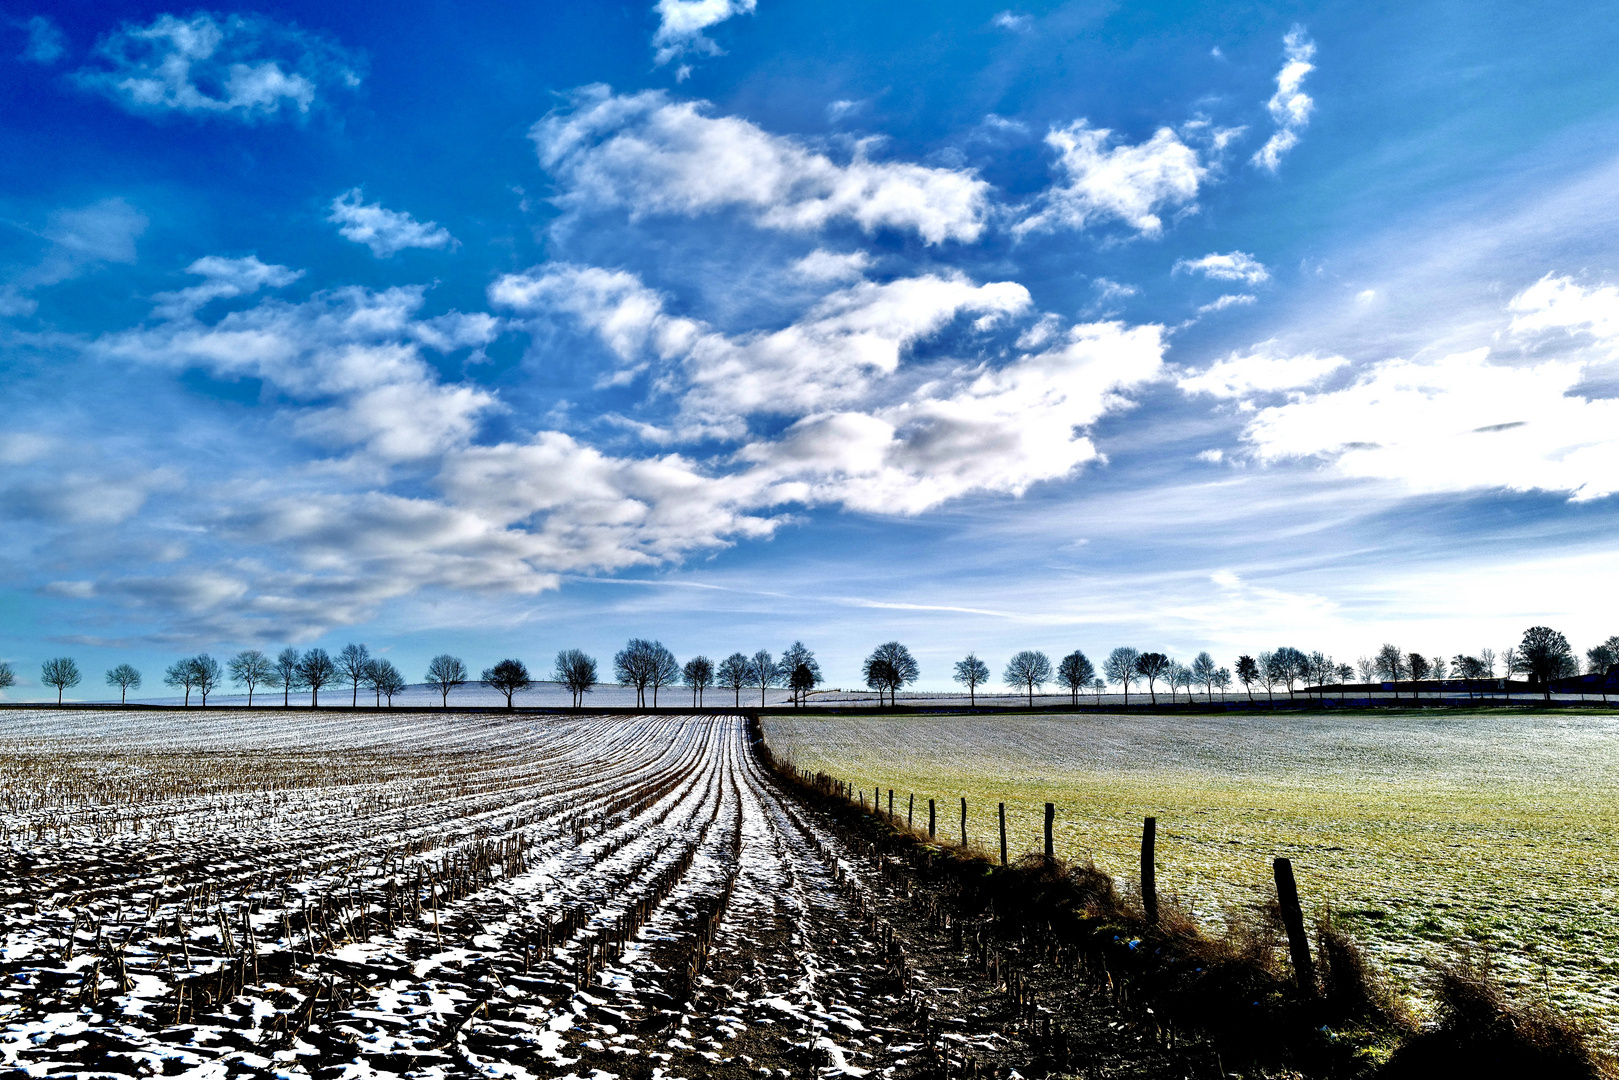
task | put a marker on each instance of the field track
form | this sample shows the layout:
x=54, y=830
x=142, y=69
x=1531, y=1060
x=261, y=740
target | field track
x=431, y=895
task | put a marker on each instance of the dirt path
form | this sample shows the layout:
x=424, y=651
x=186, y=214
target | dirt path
x=625, y=896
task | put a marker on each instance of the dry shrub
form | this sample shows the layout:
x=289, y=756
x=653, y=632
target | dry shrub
x=1352, y=990
x=1483, y=1034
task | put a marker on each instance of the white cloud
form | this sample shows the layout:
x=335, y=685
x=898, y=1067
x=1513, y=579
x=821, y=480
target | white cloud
x=224, y=279
x=1233, y=266
x=1108, y=290
x=1129, y=183
x=1228, y=300
x=46, y=42
x=1212, y=457
x=245, y=67
x=1008, y=20
x=650, y=155
x=385, y=232
x=825, y=359
x=1557, y=303
x=1290, y=106
x=1260, y=372
x=681, y=24
x=843, y=107
x=344, y=359
x=1457, y=424
x=823, y=265
x=997, y=431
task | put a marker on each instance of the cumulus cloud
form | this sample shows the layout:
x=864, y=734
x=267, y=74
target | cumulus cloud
x=681, y=24
x=1558, y=303
x=345, y=359
x=1234, y=266
x=1290, y=106
x=826, y=358
x=999, y=431
x=1008, y=20
x=46, y=42
x=649, y=154
x=1456, y=424
x=1261, y=371
x=1127, y=183
x=223, y=278
x=386, y=232
x=246, y=67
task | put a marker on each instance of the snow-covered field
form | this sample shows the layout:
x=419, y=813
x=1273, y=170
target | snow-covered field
x=340, y=894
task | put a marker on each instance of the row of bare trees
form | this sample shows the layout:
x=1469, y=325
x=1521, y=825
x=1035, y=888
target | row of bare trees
x=1542, y=656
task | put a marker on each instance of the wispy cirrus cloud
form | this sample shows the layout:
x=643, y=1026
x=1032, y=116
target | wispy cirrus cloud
x=386, y=232
x=1290, y=107
x=244, y=67
x=46, y=42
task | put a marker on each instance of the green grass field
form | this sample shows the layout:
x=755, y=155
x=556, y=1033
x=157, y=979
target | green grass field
x=1419, y=830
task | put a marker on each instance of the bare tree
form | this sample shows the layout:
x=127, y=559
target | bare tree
x=249, y=668
x=1392, y=666
x=1418, y=666
x=125, y=678
x=804, y=678
x=1291, y=666
x=316, y=669
x=1222, y=679
x=1180, y=676
x=1099, y=687
x=509, y=677
x=181, y=674
x=1366, y=668
x=1152, y=666
x=763, y=672
x=1203, y=669
x=798, y=655
x=698, y=674
x=1076, y=671
x=1544, y=655
x=61, y=673
x=208, y=675
x=577, y=672
x=971, y=673
x=1344, y=673
x=1603, y=660
x=1510, y=661
x=1270, y=674
x=664, y=669
x=385, y=679
x=1322, y=668
x=633, y=664
x=896, y=668
x=445, y=673
x=733, y=676
x=1248, y=673
x=8, y=678
x=351, y=665
x=1028, y=669
x=1120, y=667
x=286, y=674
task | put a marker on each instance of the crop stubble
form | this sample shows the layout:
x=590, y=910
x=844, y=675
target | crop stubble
x=339, y=894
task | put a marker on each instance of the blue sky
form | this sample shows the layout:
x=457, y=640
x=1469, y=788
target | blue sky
x=498, y=331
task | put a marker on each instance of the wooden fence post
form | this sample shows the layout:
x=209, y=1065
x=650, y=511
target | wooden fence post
x=1149, y=872
x=890, y=804
x=1003, y=834
x=1051, y=814
x=964, y=821
x=1287, y=895
x=932, y=821
x=910, y=813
